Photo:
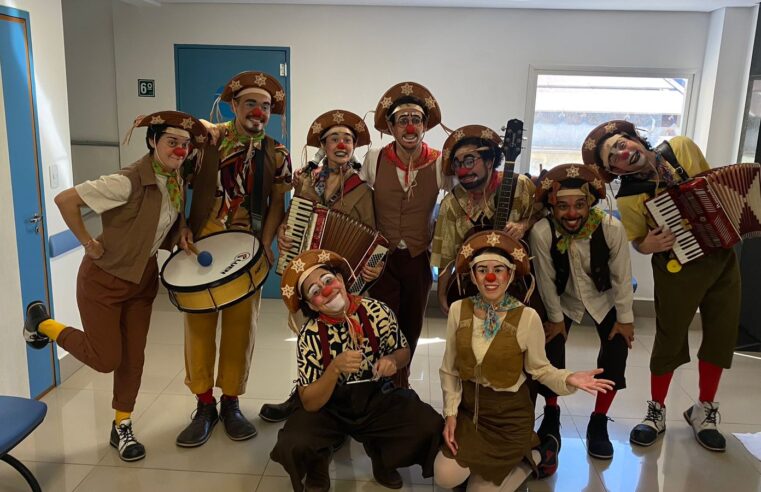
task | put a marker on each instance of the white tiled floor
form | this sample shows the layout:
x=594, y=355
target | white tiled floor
x=70, y=452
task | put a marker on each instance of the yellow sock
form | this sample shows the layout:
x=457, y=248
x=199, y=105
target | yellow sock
x=51, y=328
x=121, y=416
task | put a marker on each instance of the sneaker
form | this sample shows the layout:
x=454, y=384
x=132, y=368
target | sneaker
x=598, y=442
x=237, y=427
x=36, y=313
x=703, y=417
x=550, y=424
x=199, y=430
x=123, y=439
x=652, y=426
x=548, y=457
x=277, y=412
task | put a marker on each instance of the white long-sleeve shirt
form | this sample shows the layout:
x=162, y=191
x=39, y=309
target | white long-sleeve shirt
x=530, y=337
x=581, y=294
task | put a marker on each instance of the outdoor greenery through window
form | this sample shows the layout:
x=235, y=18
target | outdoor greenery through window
x=568, y=107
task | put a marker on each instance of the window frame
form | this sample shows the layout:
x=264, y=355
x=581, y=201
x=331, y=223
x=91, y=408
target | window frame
x=690, y=97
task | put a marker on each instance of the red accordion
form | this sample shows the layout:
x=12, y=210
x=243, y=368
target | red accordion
x=313, y=226
x=714, y=210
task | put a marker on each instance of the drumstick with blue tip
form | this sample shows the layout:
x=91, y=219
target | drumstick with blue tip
x=204, y=257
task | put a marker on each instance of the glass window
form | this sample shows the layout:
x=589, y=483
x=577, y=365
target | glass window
x=568, y=107
x=751, y=123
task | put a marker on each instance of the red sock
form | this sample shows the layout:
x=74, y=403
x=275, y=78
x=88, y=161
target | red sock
x=659, y=387
x=708, y=381
x=207, y=397
x=551, y=401
x=229, y=398
x=603, y=402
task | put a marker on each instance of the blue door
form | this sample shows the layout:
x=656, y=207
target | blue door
x=201, y=73
x=18, y=95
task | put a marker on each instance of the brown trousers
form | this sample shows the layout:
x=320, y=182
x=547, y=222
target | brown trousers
x=404, y=288
x=115, y=316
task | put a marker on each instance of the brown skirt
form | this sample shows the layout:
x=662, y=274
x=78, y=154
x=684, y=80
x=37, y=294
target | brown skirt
x=502, y=436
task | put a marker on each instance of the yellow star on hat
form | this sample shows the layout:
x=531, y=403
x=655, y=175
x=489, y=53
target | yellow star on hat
x=446, y=153
x=187, y=123
x=597, y=183
x=430, y=102
x=572, y=172
x=519, y=254
x=359, y=127
x=611, y=127
x=406, y=89
x=386, y=102
x=200, y=139
x=323, y=256
x=589, y=144
x=459, y=135
x=466, y=251
x=546, y=183
x=260, y=79
x=487, y=134
x=298, y=265
x=287, y=291
x=279, y=96
x=316, y=128
x=157, y=120
x=235, y=85
x=338, y=117
x=492, y=239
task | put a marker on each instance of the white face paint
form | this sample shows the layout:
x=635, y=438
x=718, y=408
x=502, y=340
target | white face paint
x=336, y=304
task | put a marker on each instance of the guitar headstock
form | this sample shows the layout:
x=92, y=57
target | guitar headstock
x=513, y=141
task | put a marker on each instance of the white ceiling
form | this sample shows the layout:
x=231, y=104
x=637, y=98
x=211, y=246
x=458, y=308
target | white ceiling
x=647, y=5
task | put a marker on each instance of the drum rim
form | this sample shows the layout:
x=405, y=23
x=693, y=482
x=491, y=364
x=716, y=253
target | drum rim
x=216, y=283
x=216, y=310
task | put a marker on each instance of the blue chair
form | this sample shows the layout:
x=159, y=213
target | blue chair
x=19, y=417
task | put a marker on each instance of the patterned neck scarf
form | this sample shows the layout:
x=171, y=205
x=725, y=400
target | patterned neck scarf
x=593, y=221
x=233, y=140
x=172, y=184
x=665, y=171
x=491, y=322
x=321, y=180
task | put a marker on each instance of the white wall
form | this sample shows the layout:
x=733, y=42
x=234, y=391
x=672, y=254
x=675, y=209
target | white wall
x=49, y=66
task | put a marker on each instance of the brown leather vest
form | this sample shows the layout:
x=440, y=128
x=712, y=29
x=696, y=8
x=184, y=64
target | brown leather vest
x=503, y=363
x=129, y=230
x=400, y=216
x=204, y=184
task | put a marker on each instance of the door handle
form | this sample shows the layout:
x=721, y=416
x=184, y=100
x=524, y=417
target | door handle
x=35, y=219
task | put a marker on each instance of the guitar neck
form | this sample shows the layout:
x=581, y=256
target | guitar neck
x=502, y=214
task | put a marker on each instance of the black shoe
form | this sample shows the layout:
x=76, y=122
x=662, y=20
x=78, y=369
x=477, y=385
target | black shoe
x=123, y=439
x=652, y=426
x=237, y=427
x=277, y=412
x=318, y=477
x=598, y=442
x=200, y=427
x=388, y=477
x=36, y=313
x=548, y=457
x=703, y=417
x=550, y=425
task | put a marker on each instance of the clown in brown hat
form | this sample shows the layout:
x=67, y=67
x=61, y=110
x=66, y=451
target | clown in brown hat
x=142, y=209
x=581, y=258
x=491, y=339
x=474, y=154
x=711, y=283
x=406, y=177
x=241, y=185
x=347, y=349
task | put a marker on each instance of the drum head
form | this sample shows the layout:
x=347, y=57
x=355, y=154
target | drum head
x=233, y=253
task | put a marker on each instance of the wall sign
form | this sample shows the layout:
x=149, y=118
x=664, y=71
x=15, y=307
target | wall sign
x=146, y=88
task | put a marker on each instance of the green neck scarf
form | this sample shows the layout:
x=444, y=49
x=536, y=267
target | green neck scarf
x=593, y=221
x=172, y=184
x=234, y=139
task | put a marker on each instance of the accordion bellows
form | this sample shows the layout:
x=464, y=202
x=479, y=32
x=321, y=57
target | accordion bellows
x=714, y=210
x=314, y=226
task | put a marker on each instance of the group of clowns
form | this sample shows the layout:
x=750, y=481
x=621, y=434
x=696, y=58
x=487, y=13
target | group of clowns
x=354, y=352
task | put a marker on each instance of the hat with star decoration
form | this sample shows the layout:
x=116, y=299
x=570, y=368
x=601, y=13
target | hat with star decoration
x=468, y=131
x=590, y=151
x=412, y=90
x=338, y=117
x=246, y=82
x=570, y=177
x=176, y=119
x=493, y=239
x=304, y=264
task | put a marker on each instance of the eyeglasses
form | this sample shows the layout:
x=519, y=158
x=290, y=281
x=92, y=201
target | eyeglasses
x=407, y=120
x=468, y=161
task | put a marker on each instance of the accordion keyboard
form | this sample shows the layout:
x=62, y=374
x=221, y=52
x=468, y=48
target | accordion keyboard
x=665, y=212
x=298, y=222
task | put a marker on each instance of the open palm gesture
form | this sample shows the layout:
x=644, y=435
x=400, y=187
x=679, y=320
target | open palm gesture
x=585, y=380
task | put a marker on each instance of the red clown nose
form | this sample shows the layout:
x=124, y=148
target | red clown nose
x=341, y=146
x=624, y=155
x=491, y=277
x=180, y=152
x=462, y=172
x=410, y=128
x=256, y=113
x=326, y=291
